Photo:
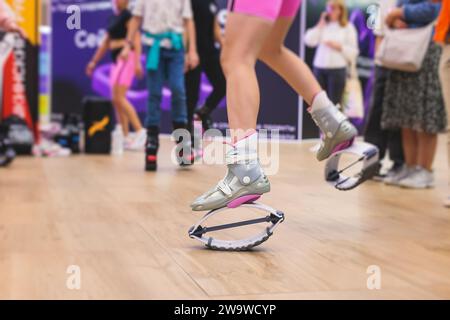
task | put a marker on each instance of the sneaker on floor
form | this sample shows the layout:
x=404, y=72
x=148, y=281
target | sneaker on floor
x=447, y=202
x=394, y=175
x=138, y=142
x=128, y=140
x=391, y=172
x=379, y=177
x=419, y=179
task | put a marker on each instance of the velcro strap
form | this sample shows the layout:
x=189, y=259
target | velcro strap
x=233, y=158
x=339, y=116
x=222, y=186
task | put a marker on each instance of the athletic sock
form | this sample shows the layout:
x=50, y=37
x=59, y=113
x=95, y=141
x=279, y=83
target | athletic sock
x=247, y=147
x=320, y=101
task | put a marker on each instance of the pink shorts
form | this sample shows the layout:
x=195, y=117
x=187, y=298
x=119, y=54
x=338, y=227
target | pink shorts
x=122, y=72
x=268, y=9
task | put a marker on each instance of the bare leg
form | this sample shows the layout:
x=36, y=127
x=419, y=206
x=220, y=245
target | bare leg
x=128, y=109
x=426, y=150
x=287, y=64
x=245, y=36
x=244, y=39
x=410, y=142
x=338, y=131
x=125, y=124
x=122, y=118
x=444, y=74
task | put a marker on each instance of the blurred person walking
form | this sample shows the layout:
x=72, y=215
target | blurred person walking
x=122, y=73
x=413, y=100
x=208, y=33
x=390, y=140
x=337, y=47
x=442, y=36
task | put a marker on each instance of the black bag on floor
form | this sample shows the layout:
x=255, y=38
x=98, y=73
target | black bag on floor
x=97, y=117
x=19, y=135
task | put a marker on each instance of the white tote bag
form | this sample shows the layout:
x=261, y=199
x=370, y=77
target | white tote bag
x=352, y=99
x=405, y=49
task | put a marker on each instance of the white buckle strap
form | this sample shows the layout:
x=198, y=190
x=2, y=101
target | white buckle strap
x=233, y=158
x=222, y=186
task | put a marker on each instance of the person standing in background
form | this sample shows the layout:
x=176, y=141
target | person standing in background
x=164, y=23
x=208, y=33
x=384, y=139
x=337, y=46
x=442, y=36
x=122, y=72
x=413, y=100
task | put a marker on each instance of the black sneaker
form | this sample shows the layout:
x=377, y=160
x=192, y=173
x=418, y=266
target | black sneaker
x=204, y=114
x=379, y=177
x=394, y=169
x=151, y=149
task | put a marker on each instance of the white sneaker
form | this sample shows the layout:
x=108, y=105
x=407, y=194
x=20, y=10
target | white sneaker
x=138, y=142
x=127, y=141
x=393, y=177
x=419, y=179
x=447, y=202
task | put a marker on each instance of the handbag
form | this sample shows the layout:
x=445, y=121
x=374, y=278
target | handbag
x=352, y=99
x=405, y=49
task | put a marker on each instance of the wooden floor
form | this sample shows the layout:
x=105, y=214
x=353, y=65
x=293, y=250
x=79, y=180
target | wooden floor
x=127, y=231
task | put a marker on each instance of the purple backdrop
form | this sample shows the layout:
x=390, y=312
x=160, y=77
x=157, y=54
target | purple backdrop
x=72, y=49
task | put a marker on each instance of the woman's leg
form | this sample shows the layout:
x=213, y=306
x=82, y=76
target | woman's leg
x=426, y=149
x=129, y=111
x=336, y=84
x=245, y=36
x=216, y=77
x=287, y=64
x=192, y=83
x=444, y=74
x=192, y=80
x=245, y=179
x=320, y=76
x=420, y=148
x=179, y=111
x=338, y=132
x=213, y=69
x=121, y=115
x=410, y=143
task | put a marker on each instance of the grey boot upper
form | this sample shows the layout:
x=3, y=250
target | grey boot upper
x=336, y=129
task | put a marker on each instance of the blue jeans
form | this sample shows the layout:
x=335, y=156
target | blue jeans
x=170, y=69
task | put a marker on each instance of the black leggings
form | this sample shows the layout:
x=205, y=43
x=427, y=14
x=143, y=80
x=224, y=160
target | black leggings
x=210, y=64
x=332, y=81
x=384, y=139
